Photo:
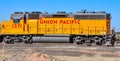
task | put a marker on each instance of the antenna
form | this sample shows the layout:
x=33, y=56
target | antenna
x=84, y=10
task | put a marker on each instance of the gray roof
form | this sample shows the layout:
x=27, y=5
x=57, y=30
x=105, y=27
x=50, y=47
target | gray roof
x=22, y=14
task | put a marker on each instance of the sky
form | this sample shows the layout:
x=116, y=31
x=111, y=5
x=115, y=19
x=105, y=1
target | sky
x=111, y=6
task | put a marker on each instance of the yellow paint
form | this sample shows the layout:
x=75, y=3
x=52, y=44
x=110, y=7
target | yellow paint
x=33, y=26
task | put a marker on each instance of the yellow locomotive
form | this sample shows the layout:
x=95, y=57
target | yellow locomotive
x=80, y=27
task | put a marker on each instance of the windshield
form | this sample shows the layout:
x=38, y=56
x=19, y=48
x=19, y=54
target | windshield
x=16, y=20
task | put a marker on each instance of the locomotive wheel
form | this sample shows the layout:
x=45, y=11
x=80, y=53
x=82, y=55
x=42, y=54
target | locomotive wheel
x=7, y=40
x=11, y=41
x=88, y=42
x=98, y=40
x=25, y=42
x=103, y=42
x=112, y=42
x=28, y=41
x=77, y=40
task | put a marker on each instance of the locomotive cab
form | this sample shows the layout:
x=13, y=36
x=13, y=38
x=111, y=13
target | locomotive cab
x=15, y=25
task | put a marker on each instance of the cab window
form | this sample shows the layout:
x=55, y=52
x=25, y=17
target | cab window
x=16, y=20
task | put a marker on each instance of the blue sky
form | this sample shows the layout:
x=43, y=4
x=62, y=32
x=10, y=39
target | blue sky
x=111, y=6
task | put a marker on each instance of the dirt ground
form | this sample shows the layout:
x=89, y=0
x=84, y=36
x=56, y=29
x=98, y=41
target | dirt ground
x=86, y=55
x=58, y=52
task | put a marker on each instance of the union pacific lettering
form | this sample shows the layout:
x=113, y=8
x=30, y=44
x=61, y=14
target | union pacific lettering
x=59, y=21
x=48, y=22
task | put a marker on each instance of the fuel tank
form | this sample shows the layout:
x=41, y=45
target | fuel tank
x=51, y=39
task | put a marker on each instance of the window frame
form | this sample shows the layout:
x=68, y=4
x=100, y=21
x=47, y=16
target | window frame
x=17, y=21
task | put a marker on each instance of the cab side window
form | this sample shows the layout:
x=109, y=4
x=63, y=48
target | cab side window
x=16, y=20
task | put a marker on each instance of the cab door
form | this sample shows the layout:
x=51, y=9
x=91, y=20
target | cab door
x=32, y=22
x=33, y=26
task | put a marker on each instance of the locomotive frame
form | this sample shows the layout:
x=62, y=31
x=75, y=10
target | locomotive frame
x=81, y=27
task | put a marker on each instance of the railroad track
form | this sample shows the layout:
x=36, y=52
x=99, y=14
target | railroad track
x=56, y=46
